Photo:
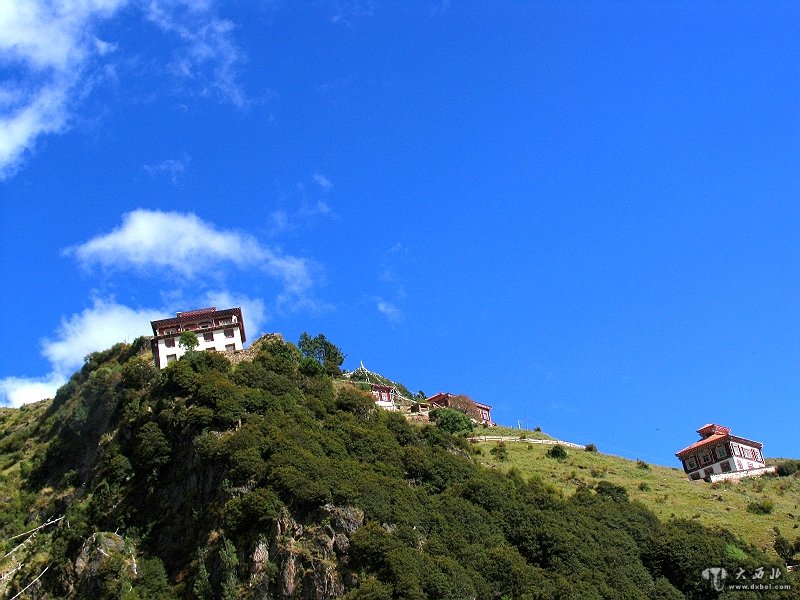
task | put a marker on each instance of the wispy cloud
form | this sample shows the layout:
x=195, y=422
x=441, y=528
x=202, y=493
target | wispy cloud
x=347, y=12
x=53, y=59
x=100, y=326
x=394, y=259
x=308, y=208
x=323, y=181
x=209, y=56
x=151, y=241
x=49, y=49
x=172, y=168
x=388, y=310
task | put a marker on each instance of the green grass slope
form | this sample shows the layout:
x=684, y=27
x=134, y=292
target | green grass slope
x=665, y=491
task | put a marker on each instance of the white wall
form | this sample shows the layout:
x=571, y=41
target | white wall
x=218, y=343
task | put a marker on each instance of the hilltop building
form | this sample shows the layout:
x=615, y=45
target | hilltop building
x=480, y=413
x=385, y=393
x=217, y=330
x=720, y=455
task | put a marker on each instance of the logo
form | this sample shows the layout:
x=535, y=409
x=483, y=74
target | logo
x=716, y=577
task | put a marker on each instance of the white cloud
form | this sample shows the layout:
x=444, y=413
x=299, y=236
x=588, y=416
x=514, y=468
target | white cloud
x=150, y=240
x=47, y=45
x=388, y=310
x=93, y=329
x=16, y=391
x=102, y=325
x=52, y=60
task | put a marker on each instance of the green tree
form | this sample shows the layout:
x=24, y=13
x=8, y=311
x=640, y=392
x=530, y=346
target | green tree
x=188, y=341
x=323, y=351
x=783, y=548
x=202, y=583
x=152, y=580
x=152, y=448
x=451, y=420
x=230, y=561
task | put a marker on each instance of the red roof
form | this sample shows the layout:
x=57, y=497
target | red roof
x=194, y=315
x=712, y=434
x=712, y=428
x=445, y=395
x=717, y=437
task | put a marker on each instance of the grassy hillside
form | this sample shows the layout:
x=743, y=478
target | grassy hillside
x=663, y=490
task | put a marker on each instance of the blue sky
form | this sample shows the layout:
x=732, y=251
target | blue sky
x=583, y=214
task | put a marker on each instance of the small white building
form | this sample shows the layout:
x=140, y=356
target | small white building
x=718, y=452
x=216, y=330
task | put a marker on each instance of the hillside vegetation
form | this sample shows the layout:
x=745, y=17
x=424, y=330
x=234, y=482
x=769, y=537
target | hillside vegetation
x=264, y=480
x=665, y=491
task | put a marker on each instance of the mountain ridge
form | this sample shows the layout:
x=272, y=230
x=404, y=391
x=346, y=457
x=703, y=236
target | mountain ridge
x=263, y=480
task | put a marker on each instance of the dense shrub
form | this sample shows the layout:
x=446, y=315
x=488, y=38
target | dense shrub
x=500, y=451
x=788, y=467
x=557, y=451
x=760, y=507
x=451, y=420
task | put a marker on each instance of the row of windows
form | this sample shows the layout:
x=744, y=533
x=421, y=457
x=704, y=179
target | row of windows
x=208, y=336
x=706, y=457
x=202, y=325
x=709, y=471
x=171, y=358
x=745, y=452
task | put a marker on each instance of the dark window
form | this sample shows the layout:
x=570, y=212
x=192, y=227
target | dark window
x=721, y=452
x=691, y=463
x=726, y=466
x=229, y=333
x=708, y=472
x=171, y=358
x=208, y=336
x=705, y=457
x=695, y=476
x=169, y=342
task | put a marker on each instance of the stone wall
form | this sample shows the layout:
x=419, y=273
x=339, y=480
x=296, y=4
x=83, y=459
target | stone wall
x=248, y=354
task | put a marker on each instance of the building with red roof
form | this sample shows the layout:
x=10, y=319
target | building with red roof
x=216, y=330
x=719, y=452
x=479, y=413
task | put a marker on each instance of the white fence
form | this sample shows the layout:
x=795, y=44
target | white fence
x=509, y=438
x=742, y=474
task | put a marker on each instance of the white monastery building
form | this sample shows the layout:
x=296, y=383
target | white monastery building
x=720, y=455
x=216, y=330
